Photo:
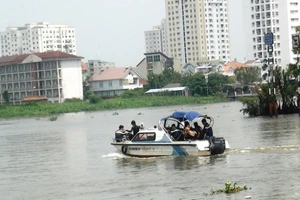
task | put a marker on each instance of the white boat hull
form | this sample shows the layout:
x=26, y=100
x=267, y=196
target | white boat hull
x=174, y=148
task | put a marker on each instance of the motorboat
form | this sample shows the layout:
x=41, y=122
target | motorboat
x=163, y=140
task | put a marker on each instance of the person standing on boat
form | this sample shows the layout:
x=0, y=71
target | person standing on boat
x=208, y=132
x=188, y=133
x=134, y=129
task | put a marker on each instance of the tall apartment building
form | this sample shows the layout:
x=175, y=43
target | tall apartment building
x=153, y=40
x=156, y=39
x=197, y=29
x=37, y=37
x=281, y=17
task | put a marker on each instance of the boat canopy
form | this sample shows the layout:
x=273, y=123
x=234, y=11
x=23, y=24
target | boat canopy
x=186, y=115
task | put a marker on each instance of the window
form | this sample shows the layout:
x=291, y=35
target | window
x=144, y=137
x=156, y=58
x=149, y=58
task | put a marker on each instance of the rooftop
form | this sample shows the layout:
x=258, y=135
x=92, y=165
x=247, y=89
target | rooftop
x=110, y=73
x=234, y=65
x=44, y=56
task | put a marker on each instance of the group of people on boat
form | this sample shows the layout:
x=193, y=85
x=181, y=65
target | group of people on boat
x=187, y=133
x=192, y=133
x=128, y=134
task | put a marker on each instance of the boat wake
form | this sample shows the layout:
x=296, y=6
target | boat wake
x=114, y=155
x=268, y=149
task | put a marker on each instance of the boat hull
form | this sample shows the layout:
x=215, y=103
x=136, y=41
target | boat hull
x=180, y=148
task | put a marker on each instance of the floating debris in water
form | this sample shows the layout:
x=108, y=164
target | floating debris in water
x=53, y=118
x=229, y=188
x=139, y=114
x=115, y=113
x=248, y=197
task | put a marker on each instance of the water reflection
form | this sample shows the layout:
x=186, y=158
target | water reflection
x=190, y=162
x=180, y=163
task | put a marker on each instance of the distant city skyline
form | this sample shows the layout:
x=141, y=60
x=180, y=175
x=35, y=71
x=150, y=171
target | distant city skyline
x=106, y=30
x=113, y=31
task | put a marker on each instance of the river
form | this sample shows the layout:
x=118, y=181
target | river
x=71, y=158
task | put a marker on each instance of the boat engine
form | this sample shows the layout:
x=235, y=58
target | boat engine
x=217, y=145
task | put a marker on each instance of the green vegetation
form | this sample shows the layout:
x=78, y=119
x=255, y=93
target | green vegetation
x=5, y=96
x=229, y=189
x=202, y=92
x=285, y=86
x=278, y=95
x=247, y=75
x=198, y=85
x=46, y=109
x=196, y=82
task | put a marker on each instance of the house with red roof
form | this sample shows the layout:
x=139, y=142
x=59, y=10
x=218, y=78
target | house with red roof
x=109, y=82
x=229, y=68
x=54, y=75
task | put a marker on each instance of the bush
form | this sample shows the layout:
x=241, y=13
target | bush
x=132, y=93
x=251, y=106
x=73, y=100
x=94, y=99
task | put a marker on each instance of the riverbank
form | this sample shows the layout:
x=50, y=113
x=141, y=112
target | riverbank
x=47, y=109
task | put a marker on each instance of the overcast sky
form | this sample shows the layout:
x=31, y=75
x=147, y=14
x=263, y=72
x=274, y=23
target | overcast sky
x=109, y=30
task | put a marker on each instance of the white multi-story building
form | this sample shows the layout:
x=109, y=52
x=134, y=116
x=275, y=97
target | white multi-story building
x=153, y=40
x=37, y=37
x=156, y=39
x=164, y=33
x=96, y=65
x=197, y=29
x=217, y=30
x=55, y=75
x=281, y=17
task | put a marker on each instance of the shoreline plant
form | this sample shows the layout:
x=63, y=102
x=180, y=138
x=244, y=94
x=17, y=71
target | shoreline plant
x=46, y=109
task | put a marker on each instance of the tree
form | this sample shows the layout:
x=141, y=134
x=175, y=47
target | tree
x=160, y=80
x=5, y=96
x=247, y=75
x=86, y=88
x=216, y=82
x=171, y=76
x=196, y=83
x=285, y=91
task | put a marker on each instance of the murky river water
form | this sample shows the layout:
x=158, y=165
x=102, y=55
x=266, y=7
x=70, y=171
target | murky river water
x=72, y=158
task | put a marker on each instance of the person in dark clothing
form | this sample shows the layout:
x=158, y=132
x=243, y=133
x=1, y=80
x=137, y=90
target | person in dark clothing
x=208, y=132
x=199, y=131
x=134, y=129
x=174, y=132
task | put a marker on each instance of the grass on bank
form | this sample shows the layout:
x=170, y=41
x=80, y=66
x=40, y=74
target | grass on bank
x=45, y=109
